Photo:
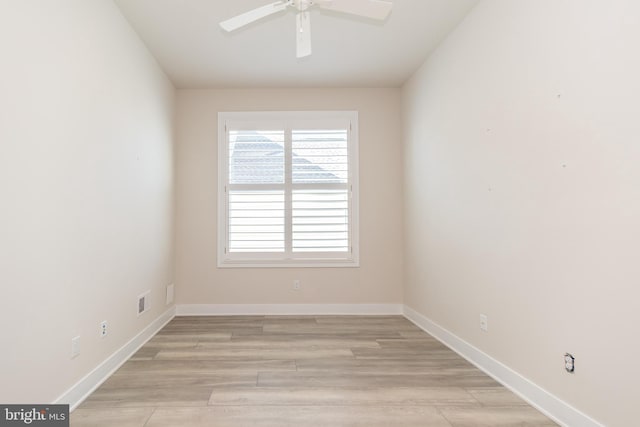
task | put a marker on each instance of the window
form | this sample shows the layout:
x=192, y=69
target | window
x=287, y=191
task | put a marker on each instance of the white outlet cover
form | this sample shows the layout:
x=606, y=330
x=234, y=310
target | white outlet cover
x=484, y=322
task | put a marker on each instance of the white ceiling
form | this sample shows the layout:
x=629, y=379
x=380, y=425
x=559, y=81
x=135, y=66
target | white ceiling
x=348, y=51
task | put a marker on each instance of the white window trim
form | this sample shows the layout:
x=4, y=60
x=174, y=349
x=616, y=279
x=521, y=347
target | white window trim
x=270, y=260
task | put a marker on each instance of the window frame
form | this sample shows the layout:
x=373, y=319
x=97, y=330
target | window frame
x=288, y=121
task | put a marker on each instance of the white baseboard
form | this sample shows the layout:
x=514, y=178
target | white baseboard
x=87, y=385
x=550, y=405
x=287, y=309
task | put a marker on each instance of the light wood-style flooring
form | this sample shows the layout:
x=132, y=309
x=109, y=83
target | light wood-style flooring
x=325, y=371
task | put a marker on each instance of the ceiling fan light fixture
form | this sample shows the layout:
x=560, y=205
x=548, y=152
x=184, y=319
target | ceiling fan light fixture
x=373, y=9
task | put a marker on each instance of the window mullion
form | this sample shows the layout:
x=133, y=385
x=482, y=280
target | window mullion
x=225, y=170
x=288, y=204
x=350, y=157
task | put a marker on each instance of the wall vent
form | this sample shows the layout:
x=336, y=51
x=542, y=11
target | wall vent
x=143, y=303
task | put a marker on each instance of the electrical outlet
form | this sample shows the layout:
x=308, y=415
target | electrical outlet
x=484, y=323
x=296, y=285
x=75, y=346
x=103, y=329
x=569, y=363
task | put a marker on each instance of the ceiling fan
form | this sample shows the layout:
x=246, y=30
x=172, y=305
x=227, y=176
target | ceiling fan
x=374, y=9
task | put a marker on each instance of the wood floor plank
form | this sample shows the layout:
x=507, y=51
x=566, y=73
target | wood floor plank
x=250, y=354
x=227, y=329
x=336, y=396
x=357, y=319
x=148, y=396
x=121, y=417
x=375, y=365
x=191, y=367
x=421, y=344
x=437, y=371
x=290, y=321
x=319, y=333
x=375, y=329
x=402, y=353
x=496, y=396
x=414, y=334
x=303, y=379
x=298, y=416
x=320, y=337
x=191, y=337
x=519, y=416
x=179, y=379
x=291, y=344
x=157, y=345
x=215, y=320
x=346, y=366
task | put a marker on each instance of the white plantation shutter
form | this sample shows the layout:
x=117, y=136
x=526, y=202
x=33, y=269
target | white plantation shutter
x=256, y=221
x=320, y=221
x=320, y=156
x=256, y=157
x=320, y=211
x=256, y=209
x=288, y=189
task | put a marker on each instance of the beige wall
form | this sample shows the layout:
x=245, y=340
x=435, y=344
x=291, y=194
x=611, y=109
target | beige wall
x=85, y=190
x=522, y=193
x=378, y=280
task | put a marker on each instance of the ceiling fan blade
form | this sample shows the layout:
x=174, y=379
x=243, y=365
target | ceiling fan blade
x=303, y=34
x=374, y=9
x=253, y=15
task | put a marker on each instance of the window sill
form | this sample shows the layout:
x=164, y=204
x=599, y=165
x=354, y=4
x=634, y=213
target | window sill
x=316, y=263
